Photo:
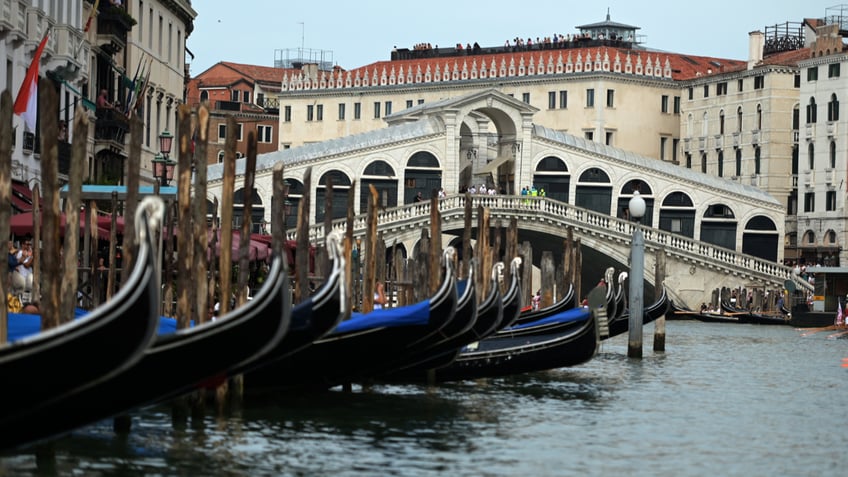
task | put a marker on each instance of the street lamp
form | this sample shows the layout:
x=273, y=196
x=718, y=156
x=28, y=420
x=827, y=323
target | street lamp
x=163, y=166
x=637, y=207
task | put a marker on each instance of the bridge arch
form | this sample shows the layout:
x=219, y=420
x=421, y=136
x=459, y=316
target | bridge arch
x=760, y=238
x=677, y=214
x=552, y=175
x=257, y=209
x=626, y=193
x=594, y=190
x=423, y=173
x=382, y=176
x=341, y=183
x=293, y=192
x=718, y=226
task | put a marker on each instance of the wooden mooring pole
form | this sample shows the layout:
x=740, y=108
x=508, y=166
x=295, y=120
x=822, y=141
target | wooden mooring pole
x=659, y=278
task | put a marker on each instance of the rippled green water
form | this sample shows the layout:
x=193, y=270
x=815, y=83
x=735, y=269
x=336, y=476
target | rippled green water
x=729, y=400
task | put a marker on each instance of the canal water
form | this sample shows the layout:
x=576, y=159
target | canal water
x=729, y=400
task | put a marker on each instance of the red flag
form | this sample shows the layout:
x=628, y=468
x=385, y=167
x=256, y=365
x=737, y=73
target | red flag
x=26, y=104
x=91, y=15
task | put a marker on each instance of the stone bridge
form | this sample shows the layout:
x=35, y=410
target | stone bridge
x=693, y=268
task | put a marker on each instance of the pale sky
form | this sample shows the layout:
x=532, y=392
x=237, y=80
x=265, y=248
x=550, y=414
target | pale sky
x=361, y=32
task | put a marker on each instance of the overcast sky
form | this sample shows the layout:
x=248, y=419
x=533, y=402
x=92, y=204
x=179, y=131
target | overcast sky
x=356, y=33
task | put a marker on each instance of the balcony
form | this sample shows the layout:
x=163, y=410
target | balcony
x=810, y=131
x=718, y=141
x=113, y=24
x=830, y=176
x=686, y=144
x=110, y=129
x=755, y=136
x=832, y=129
x=795, y=136
x=13, y=20
x=702, y=144
x=70, y=55
x=737, y=138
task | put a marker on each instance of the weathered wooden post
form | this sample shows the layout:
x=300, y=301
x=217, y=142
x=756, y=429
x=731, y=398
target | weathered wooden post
x=421, y=276
x=5, y=198
x=348, y=251
x=511, y=249
x=247, y=220
x=369, y=275
x=131, y=200
x=51, y=303
x=435, y=243
x=185, y=244
x=301, y=289
x=113, y=248
x=322, y=254
x=466, y=238
x=37, y=252
x=526, y=253
x=659, y=278
x=72, y=207
x=227, y=194
x=92, y=261
x=484, y=254
x=548, y=272
x=199, y=211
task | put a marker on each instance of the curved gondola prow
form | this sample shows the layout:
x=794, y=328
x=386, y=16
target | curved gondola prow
x=443, y=302
x=513, y=299
x=335, y=253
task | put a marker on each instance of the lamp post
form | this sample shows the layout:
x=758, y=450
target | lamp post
x=163, y=166
x=637, y=276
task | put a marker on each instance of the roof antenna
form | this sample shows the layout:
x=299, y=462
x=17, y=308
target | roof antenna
x=608, y=18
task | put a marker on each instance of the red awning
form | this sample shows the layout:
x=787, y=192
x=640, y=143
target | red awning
x=22, y=224
x=21, y=197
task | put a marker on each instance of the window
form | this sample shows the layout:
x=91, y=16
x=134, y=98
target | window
x=664, y=103
x=235, y=95
x=757, y=159
x=811, y=111
x=563, y=99
x=388, y=108
x=739, y=119
x=706, y=91
x=525, y=97
x=688, y=160
x=677, y=105
x=704, y=163
x=239, y=136
x=222, y=133
x=663, y=144
x=589, y=135
x=833, y=154
x=376, y=110
x=691, y=93
x=319, y=112
x=590, y=98
x=721, y=89
x=204, y=96
x=830, y=199
x=813, y=73
x=341, y=111
x=265, y=133
x=739, y=84
x=310, y=112
x=720, y=163
x=610, y=98
x=674, y=148
x=420, y=101
x=833, y=108
x=738, y=162
x=287, y=114
x=833, y=70
x=408, y=103
x=810, y=202
x=551, y=99
x=357, y=110
x=759, y=82
x=759, y=117
x=246, y=96
x=260, y=99
x=721, y=122
x=220, y=157
x=797, y=81
x=608, y=138
x=811, y=156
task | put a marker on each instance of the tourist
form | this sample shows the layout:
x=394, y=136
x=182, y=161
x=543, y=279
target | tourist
x=419, y=198
x=25, y=261
x=103, y=100
x=379, y=296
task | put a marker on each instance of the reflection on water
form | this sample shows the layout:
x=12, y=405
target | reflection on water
x=723, y=400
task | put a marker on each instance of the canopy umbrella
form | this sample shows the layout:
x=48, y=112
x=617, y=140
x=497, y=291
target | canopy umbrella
x=23, y=224
x=257, y=250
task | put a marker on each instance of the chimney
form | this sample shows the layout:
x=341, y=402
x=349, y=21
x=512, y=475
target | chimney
x=310, y=70
x=756, y=42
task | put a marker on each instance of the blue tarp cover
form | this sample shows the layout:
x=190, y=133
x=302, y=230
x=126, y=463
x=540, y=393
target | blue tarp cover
x=575, y=314
x=412, y=315
x=22, y=325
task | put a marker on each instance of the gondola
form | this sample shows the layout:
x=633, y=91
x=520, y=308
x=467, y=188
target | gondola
x=747, y=316
x=311, y=319
x=567, y=302
x=46, y=367
x=502, y=355
x=358, y=348
x=173, y=364
x=489, y=316
x=651, y=313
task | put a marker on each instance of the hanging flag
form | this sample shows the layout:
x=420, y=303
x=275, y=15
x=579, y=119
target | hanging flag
x=91, y=15
x=26, y=104
x=839, y=317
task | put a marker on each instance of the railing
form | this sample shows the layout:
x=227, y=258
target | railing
x=587, y=222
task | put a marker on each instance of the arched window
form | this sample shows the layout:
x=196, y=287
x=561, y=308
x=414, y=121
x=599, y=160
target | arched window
x=833, y=108
x=721, y=163
x=705, y=127
x=704, y=162
x=738, y=161
x=689, y=124
x=757, y=157
x=739, y=119
x=721, y=122
x=220, y=157
x=811, y=155
x=204, y=96
x=811, y=111
x=833, y=154
x=759, y=117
